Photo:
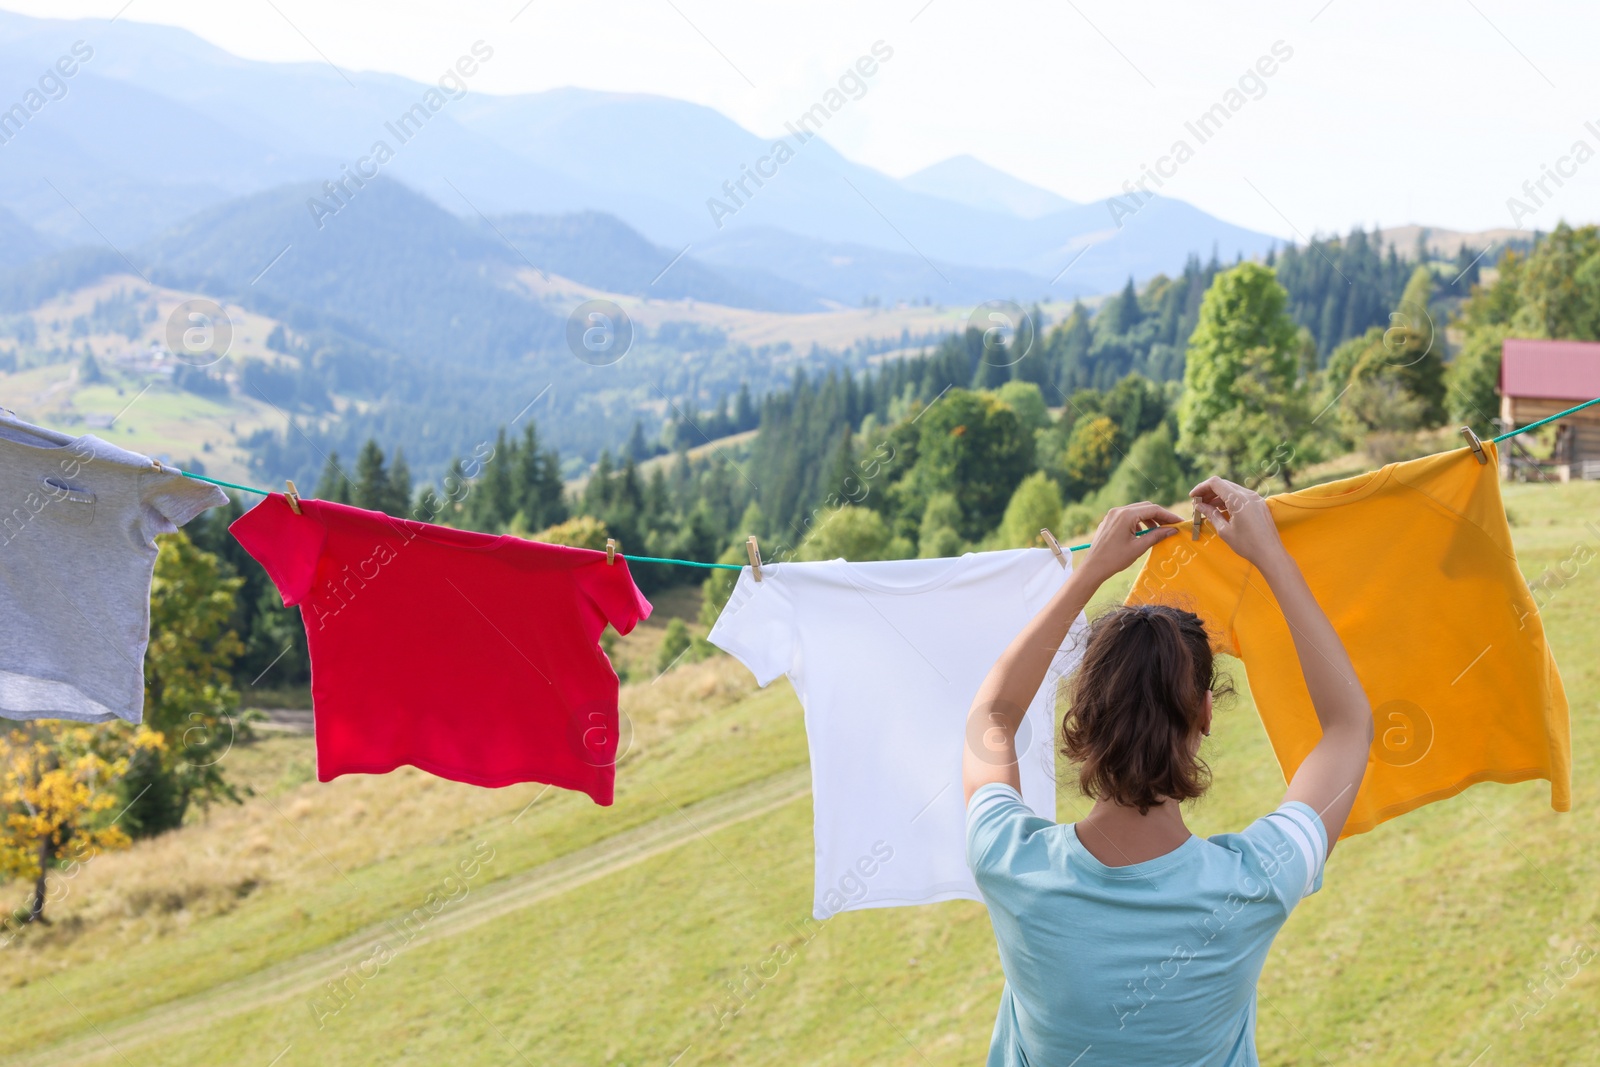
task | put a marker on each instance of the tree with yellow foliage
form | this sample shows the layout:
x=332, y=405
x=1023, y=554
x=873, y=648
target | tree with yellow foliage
x=57, y=782
x=581, y=532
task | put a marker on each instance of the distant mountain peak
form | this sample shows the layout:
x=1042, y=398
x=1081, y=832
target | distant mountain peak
x=966, y=179
x=962, y=230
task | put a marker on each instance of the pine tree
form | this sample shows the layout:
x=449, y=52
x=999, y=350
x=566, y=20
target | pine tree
x=993, y=371
x=716, y=425
x=492, y=502
x=528, y=480
x=399, y=486
x=456, y=488
x=637, y=450
x=596, y=491
x=1070, y=349
x=541, y=491
x=333, y=486
x=658, y=509
x=371, y=490
x=1123, y=313
x=745, y=415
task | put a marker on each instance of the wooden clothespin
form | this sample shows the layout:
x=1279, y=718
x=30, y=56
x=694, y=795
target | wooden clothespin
x=1054, y=546
x=293, y=496
x=1199, y=521
x=611, y=551
x=1476, y=444
x=754, y=551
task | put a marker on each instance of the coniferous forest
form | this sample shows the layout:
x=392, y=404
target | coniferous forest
x=966, y=447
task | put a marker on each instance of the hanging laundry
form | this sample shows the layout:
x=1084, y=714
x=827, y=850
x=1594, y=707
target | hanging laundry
x=1414, y=566
x=886, y=658
x=77, y=551
x=473, y=657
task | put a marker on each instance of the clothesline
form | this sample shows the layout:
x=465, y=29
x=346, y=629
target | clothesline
x=540, y=713
x=624, y=555
x=1541, y=422
x=739, y=566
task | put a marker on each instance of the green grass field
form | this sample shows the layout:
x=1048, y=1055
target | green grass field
x=610, y=936
x=161, y=420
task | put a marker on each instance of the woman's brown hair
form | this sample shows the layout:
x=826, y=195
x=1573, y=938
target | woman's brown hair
x=1138, y=704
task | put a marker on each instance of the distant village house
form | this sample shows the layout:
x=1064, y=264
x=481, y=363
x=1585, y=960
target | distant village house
x=1539, y=379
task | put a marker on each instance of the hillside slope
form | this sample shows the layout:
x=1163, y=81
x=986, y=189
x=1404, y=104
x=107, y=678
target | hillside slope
x=602, y=251
x=336, y=370
x=19, y=242
x=219, y=943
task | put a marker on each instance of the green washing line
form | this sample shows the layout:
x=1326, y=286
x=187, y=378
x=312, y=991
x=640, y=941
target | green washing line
x=683, y=562
x=230, y=485
x=738, y=566
x=635, y=559
x=1541, y=422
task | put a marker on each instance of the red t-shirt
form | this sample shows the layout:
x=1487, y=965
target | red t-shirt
x=470, y=656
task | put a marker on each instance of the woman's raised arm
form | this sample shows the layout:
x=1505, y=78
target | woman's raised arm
x=1330, y=776
x=1003, y=699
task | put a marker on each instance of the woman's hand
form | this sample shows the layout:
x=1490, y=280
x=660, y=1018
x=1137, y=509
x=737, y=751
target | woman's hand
x=1003, y=698
x=1241, y=518
x=1121, y=538
x=1330, y=776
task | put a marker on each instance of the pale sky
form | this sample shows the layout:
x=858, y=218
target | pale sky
x=1434, y=112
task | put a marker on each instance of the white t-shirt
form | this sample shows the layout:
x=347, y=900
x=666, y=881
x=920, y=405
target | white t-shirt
x=77, y=550
x=886, y=658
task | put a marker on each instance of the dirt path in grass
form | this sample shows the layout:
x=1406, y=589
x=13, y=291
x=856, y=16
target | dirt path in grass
x=301, y=974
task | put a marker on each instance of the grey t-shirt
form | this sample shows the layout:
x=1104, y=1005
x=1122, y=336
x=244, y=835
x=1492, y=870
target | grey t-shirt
x=78, y=518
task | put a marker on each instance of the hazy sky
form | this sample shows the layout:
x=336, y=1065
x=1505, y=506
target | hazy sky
x=1433, y=112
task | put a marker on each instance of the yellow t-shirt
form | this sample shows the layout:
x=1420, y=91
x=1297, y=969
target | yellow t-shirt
x=1414, y=566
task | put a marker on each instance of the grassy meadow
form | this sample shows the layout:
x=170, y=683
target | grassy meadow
x=589, y=935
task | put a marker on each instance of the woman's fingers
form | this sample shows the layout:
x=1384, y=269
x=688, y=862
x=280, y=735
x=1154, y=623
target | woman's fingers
x=1213, y=515
x=1218, y=486
x=1146, y=512
x=1128, y=532
x=1207, y=492
x=1221, y=493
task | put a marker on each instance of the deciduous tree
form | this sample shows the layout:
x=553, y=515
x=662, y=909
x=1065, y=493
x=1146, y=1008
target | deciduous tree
x=57, y=788
x=189, y=695
x=1034, y=506
x=1239, y=403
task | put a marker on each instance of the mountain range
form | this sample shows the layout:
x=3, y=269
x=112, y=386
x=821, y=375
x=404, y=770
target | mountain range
x=155, y=126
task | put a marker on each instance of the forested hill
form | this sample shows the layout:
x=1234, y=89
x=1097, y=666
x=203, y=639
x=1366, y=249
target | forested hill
x=407, y=321
x=602, y=251
x=1338, y=288
x=390, y=269
x=411, y=326
x=1092, y=407
x=971, y=446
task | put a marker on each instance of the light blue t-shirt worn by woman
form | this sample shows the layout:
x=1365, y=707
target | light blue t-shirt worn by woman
x=1154, y=963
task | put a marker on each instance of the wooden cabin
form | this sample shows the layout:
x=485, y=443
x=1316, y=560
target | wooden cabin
x=1541, y=378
